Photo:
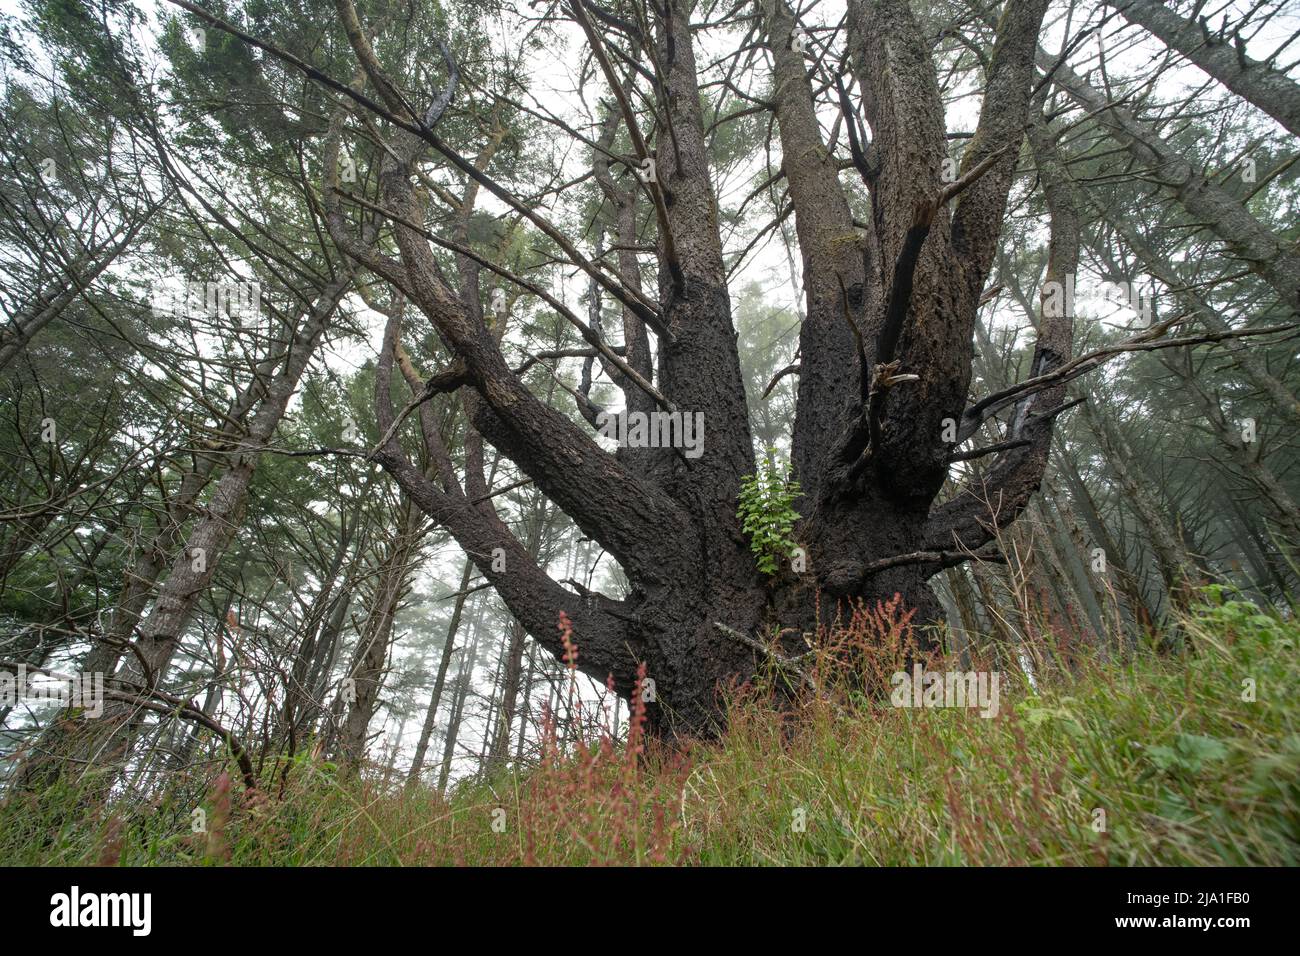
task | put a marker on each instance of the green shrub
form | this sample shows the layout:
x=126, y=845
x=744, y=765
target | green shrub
x=767, y=513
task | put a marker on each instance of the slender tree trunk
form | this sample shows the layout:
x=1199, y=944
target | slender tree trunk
x=1251, y=363
x=500, y=730
x=440, y=681
x=51, y=302
x=1116, y=561
x=1274, y=258
x=370, y=662
x=1177, y=567
x=315, y=654
x=525, y=711
x=108, y=741
x=464, y=679
x=1272, y=91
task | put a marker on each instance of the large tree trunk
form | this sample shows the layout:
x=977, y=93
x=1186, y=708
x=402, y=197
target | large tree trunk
x=886, y=349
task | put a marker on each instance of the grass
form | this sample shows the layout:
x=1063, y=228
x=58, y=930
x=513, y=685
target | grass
x=1154, y=760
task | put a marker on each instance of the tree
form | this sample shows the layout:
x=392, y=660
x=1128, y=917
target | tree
x=1260, y=83
x=885, y=346
x=394, y=154
x=885, y=353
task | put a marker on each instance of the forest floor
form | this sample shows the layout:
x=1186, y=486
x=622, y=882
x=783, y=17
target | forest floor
x=1164, y=758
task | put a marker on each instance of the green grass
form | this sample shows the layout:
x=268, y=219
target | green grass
x=1186, y=771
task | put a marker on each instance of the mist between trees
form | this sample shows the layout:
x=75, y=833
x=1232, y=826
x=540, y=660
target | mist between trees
x=348, y=345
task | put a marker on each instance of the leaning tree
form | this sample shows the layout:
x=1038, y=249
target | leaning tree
x=885, y=347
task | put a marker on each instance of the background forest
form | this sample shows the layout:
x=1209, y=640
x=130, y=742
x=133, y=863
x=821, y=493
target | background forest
x=306, y=661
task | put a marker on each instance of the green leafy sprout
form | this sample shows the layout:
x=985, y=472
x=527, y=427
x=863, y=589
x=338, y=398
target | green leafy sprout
x=767, y=513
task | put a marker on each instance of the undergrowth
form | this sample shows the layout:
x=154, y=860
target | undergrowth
x=1184, y=759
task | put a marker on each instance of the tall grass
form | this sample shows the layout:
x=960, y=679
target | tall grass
x=1154, y=759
